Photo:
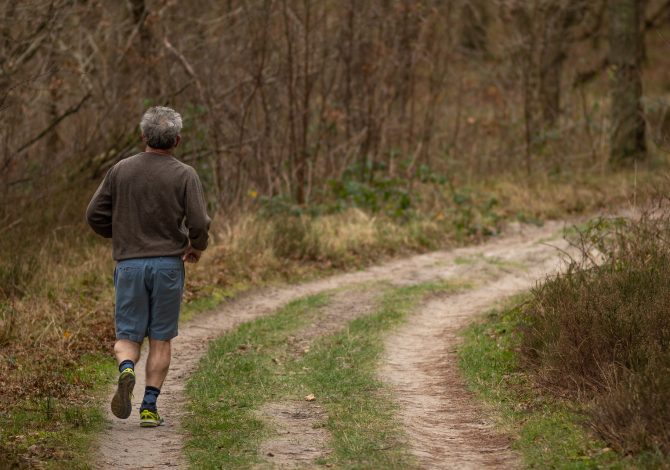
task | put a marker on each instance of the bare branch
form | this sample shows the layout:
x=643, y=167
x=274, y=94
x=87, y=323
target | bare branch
x=70, y=111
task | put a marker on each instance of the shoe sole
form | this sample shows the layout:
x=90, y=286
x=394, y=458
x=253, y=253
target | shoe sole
x=151, y=424
x=121, y=405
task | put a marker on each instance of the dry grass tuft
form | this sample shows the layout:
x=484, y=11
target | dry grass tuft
x=63, y=314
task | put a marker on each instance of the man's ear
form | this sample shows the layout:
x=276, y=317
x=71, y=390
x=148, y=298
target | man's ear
x=177, y=140
x=144, y=139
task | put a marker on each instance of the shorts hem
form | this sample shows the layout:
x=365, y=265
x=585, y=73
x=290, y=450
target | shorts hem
x=134, y=338
x=166, y=337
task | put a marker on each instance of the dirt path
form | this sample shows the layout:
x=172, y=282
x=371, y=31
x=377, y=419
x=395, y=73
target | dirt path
x=123, y=444
x=445, y=426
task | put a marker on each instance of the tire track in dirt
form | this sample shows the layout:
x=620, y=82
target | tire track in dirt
x=123, y=444
x=300, y=439
x=445, y=426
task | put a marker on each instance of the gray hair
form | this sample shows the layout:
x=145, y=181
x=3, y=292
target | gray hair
x=160, y=127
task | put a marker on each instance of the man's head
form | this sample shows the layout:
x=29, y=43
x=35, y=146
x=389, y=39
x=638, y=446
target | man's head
x=161, y=127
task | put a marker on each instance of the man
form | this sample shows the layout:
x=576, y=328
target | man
x=152, y=207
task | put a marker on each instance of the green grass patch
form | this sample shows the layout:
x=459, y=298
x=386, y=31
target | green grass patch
x=254, y=365
x=58, y=432
x=240, y=372
x=361, y=414
x=549, y=433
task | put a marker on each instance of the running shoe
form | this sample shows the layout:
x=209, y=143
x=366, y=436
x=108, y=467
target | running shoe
x=122, y=401
x=150, y=419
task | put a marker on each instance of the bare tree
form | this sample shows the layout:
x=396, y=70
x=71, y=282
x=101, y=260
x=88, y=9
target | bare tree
x=544, y=35
x=560, y=18
x=279, y=97
x=627, y=138
x=475, y=22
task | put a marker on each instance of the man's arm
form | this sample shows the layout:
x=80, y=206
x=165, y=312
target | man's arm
x=197, y=220
x=99, y=211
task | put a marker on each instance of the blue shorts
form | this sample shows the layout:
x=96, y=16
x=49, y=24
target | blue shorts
x=148, y=297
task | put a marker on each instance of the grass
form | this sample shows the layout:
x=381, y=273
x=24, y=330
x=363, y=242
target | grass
x=209, y=300
x=58, y=431
x=239, y=373
x=254, y=365
x=549, y=432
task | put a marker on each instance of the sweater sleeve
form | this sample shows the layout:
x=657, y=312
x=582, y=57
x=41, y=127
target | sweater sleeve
x=99, y=211
x=197, y=220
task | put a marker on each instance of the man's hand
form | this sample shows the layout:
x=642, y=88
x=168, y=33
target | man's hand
x=191, y=255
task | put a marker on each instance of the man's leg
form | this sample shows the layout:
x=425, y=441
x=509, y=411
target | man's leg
x=158, y=362
x=127, y=353
x=126, y=350
x=132, y=319
x=166, y=292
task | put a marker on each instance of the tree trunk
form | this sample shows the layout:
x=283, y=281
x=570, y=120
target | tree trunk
x=474, y=30
x=627, y=139
x=552, y=55
x=559, y=21
x=551, y=69
x=146, y=48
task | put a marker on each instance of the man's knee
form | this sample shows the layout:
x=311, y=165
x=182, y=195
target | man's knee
x=160, y=349
x=126, y=343
x=161, y=344
x=126, y=347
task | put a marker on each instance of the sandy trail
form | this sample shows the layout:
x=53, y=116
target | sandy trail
x=123, y=444
x=446, y=428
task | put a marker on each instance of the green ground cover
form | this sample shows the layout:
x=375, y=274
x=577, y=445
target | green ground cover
x=49, y=431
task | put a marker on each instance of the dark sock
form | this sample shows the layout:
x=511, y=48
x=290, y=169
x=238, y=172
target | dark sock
x=126, y=364
x=150, y=398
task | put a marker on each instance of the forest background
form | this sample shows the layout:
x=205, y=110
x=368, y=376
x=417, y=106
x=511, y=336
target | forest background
x=328, y=134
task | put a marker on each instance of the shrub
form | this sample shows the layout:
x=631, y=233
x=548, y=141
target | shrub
x=370, y=188
x=601, y=331
x=16, y=272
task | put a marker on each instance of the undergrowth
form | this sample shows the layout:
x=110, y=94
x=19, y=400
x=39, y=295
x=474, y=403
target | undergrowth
x=600, y=333
x=57, y=425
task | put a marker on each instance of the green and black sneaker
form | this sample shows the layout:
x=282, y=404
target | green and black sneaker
x=150, y=419
x=122, y=401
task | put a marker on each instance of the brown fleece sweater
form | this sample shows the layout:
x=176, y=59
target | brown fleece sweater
x=150, y=205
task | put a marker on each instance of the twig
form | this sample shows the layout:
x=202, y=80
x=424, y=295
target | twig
x=71, y=110
x=187, y=67
x=656, y=19
x=12, y=225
